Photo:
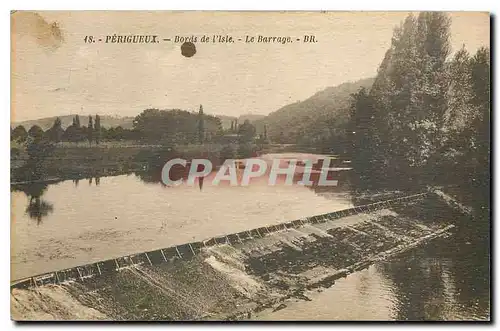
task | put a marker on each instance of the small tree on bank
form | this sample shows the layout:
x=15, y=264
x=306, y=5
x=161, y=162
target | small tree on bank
x=36, y=133
x=19, y=134
x=90, y=130
x=97, y=129
x=56, y=132
x=201, y=126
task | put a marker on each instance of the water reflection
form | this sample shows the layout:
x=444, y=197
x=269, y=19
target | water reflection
x=439, y=282
x=428, y=283
x=446, y=279
x=37, y=208
x=152, y=174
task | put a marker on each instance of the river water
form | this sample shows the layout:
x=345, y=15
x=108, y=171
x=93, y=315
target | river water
x=70, y=223
x=436, y=282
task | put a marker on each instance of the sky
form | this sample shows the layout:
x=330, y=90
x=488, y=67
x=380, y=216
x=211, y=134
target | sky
x=54, y=72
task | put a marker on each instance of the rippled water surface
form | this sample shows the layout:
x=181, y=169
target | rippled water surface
x=71, y=223
x=431, y=283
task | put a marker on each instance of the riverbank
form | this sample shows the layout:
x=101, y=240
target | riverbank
x=78, y=161
x=75, y=162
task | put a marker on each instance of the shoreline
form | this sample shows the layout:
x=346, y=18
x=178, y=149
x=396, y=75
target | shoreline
x=78, y=162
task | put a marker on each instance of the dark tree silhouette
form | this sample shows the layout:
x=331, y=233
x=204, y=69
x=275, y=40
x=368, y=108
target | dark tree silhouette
x=90, y=131
x=97, y=129
x=37, y=208
x=173, y=126
x=19, y=134
x=36, y=133
x=201, y=126
x=76, y=121
x=55, y=133
x=246, y=132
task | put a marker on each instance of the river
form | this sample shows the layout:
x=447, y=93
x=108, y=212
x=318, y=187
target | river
x=70, y=223
x=435, y=282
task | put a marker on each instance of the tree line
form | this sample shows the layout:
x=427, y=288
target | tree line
x=93, y=133
x=426, y=119
x=156, y=126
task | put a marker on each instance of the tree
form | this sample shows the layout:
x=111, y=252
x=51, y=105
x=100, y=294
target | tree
x=75, y=132
x=38, y=149
x=201, y=126
x=70, y=134
x=173, y=126
x=103, y=134
x=478, y=154
x=434, y=48
x=76, y=121
x=90, y=130
x=460, y=93
x=246, y=132
x=119, y=133
x=55, y=133
x=467, y=149
x=97, y=128
x=409, y=99
x=361, y=133
x=36, y=133
x=281, y=138
x=19, y=134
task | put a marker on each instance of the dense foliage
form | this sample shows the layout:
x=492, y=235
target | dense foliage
x=319, y=121
x=425, y=121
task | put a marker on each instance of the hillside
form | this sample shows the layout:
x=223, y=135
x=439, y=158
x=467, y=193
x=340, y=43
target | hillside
x=320, y=117
x=251, y=117
x=226, y=120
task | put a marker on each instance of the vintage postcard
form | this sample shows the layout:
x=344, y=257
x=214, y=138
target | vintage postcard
x=250, y=166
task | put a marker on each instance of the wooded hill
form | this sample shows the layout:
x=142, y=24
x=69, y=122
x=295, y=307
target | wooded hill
x=322, y=117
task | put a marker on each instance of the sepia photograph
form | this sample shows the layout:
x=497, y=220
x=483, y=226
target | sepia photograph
x=250, y=166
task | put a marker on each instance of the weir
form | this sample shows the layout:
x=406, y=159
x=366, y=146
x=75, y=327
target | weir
x=186, y=251
x=235, y=275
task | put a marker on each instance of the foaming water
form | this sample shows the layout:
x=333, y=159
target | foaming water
x=51, y=302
